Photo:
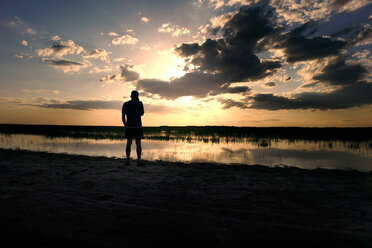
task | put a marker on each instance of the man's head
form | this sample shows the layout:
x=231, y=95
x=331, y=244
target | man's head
x=134, y=94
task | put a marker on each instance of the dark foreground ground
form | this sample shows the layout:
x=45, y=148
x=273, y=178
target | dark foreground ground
x=55, y=200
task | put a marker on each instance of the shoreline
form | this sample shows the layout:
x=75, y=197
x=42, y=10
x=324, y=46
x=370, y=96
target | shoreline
x=133, y=162
x=59, y=200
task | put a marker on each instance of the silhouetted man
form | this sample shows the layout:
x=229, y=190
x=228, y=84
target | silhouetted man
x=131, y=115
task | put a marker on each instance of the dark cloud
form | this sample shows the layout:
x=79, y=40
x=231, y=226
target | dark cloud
x=65, y=65
x=84, y=105
x=102, y=104
x=229, y=63
x=62, y=62
x=270, y=84
x=352, y=95
x=339, y=72
x=59, y=47
x=249, y=25
x=195, y=84
x=229, y=103
x=128, y=74
x=110, y=78
x=339, y=3
x=232, y=57
x=300, y=47
x=230, y=90
x=186, y=49
x=191, y=84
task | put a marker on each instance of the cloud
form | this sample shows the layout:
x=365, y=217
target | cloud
x=55, y=38
x=65, y=65
x=229, y=103
x=18, y=56
x=233, y=63
x=364, y=36
x=29, y=31
x=338, y=72
x=83, y=105
x=127, y=74
x=60, y=49
x=204, y=28
x=195, y=84
x=174, y=29
x=41, y=91
x=146, y=48
x=232, y=56
x=192, y=84
x=112, y=34
x=298, y=47
x=24, y=42
x=220, y=20
x=216, y=3
x=270, y=84
x=12, y=100
x=145, y=19
x=100, y=53
x=352, y=95
x=15, y=22
x=88, y=105
x=126, y=39
x=100, y=70
x=120, y=59
x=293, y=11
x=111, y=79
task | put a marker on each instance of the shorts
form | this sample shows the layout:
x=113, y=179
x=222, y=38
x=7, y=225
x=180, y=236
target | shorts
x=133, y=133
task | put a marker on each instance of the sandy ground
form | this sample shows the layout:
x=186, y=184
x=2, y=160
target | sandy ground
x=57, y=200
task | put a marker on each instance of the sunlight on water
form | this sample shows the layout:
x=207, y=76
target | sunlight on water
x=303, y=154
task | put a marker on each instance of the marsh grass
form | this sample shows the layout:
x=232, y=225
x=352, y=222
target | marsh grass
x=261, y=136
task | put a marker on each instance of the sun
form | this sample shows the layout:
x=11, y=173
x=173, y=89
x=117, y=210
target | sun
x=165, y=65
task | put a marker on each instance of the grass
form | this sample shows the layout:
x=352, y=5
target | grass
x=214, y=134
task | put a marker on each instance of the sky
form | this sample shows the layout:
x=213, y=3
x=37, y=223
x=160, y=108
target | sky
x=195, y=62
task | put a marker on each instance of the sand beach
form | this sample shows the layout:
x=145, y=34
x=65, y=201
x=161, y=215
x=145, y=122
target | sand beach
x=60, y=200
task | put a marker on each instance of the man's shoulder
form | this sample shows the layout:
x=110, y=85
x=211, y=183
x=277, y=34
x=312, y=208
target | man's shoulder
x=132, y=103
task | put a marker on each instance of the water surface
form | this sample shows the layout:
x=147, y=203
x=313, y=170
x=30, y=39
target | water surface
x=279, y=152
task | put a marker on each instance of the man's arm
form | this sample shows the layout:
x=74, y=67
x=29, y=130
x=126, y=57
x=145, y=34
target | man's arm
x=123, y=116
x=142, y=110
x=124, y=120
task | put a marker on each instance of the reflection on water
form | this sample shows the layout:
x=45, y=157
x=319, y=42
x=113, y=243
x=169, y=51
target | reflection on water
x=304, y=154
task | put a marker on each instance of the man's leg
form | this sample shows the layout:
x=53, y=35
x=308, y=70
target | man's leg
x=129, y=144
x=139, y=149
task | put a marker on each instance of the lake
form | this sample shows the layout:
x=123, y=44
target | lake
x=309, y=154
